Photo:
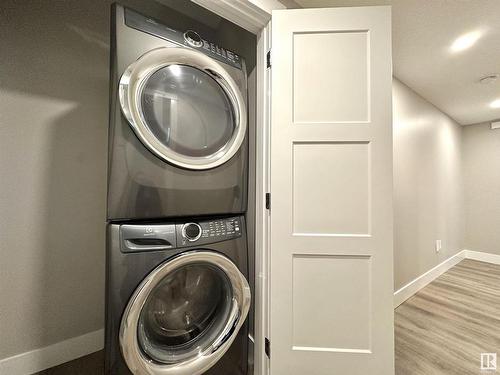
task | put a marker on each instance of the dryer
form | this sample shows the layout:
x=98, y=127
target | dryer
x=178, y=123
x=177, y=298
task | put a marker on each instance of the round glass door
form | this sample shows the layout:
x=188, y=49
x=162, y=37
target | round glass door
x=184, y=107
x=184, y=315
x=187, y=111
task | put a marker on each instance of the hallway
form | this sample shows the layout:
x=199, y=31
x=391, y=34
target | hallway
x=445, y=327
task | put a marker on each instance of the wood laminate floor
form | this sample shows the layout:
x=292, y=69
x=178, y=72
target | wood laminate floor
x=440, y=331
x=444, y=328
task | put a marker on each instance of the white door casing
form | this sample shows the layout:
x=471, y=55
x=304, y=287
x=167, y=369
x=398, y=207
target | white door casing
x=331, y=275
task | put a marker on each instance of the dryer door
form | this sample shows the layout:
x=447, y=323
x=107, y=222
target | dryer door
x=184, y=106
x=184, y=315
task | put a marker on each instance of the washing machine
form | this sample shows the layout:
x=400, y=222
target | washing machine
x=178, y=123
x=177, y=298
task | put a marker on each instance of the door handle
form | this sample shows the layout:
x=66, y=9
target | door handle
x=230, y=328
x=147, y=244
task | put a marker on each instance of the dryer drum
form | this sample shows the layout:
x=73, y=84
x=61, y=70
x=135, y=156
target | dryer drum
x=184, y=315
x=184, y=107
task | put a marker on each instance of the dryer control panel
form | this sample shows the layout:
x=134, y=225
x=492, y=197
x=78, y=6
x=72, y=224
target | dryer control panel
x=158, y=237
x=189, y=38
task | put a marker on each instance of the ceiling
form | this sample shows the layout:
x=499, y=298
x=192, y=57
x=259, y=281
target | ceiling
x=423, y=32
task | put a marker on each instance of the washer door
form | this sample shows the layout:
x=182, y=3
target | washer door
x=184, y=107
x=184, y=315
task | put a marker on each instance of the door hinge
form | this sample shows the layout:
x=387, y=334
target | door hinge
x=268, y=59
x=267, y=347
x=268, y=201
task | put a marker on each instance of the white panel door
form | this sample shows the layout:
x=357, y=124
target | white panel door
x=331, y=293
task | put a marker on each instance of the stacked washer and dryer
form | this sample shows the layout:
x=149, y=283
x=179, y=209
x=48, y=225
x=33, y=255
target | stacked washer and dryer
x=177, y=293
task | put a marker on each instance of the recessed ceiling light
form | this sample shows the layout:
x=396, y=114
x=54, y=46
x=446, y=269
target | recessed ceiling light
x=495, y=103
x=465, y=41
x=488, y=79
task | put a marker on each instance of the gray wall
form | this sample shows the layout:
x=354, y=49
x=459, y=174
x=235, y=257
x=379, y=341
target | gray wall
x=428, y=186
x=481, y=162
x=53, y=154
x=53, y=138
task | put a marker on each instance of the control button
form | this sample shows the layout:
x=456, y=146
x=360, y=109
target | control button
x=193, y=39
x=191, y=231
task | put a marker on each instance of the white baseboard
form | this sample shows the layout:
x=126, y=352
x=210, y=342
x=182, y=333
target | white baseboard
x=52, y=355
x=483, y=257
x=76, y=347
x=420, y=282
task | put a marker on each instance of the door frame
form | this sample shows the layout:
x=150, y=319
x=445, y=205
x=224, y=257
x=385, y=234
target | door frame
x=255, y=16
x=257, y=19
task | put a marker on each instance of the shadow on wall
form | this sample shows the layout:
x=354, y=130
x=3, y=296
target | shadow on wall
x=55, y=81
x=53, y=157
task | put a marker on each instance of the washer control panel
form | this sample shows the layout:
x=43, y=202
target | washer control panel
x=225, y=227
x=189, y=38
x=205, y=232
x=169, y=236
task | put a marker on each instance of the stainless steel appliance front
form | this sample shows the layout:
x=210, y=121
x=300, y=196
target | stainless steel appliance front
x=184, y=315
x=177, y=298
x=178, y=142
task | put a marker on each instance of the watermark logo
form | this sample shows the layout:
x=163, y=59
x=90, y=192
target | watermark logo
x=488, y=361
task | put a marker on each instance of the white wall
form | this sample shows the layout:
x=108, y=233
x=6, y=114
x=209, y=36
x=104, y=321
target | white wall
x=428, y=186
x=481, y=156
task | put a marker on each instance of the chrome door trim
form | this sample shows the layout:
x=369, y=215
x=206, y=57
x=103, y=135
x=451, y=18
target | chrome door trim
x=138, y=362
x=137, y=74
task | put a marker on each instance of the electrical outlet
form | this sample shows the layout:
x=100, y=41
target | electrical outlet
x=438, y=246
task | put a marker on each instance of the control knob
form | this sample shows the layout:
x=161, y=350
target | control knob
x=191, y=231
x=193, y=39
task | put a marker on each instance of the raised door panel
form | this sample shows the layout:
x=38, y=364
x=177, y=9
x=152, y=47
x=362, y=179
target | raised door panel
x=331, y=187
